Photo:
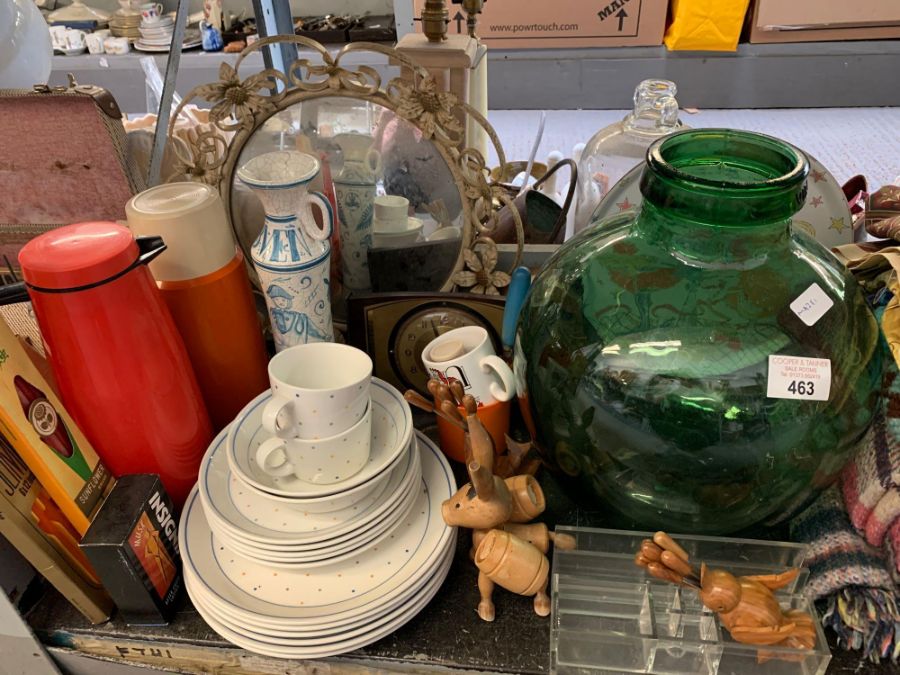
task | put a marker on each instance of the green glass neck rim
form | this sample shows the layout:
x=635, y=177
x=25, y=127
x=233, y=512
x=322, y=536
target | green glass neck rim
x=725, y=177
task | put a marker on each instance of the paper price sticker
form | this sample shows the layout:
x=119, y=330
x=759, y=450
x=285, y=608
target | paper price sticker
x=799, y=377
x=812, y=304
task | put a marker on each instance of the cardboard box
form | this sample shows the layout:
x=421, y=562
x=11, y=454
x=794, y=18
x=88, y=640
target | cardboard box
x=133, y=544
x=35, y=526
x=33, y=420
x=817, y=21
x=513, y=24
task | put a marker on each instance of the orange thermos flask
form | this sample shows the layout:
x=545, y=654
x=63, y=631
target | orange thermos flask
x=204, y=282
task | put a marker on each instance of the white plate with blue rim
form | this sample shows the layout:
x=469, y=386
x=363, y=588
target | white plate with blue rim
x=392, y=431
x=258, y=595
x=255, y=518
x=283, y=643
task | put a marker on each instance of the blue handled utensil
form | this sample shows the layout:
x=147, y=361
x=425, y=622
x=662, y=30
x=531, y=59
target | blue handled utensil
x=515, y=298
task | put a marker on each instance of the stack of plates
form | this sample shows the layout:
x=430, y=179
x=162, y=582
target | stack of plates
x=125, y=24
x=287, y=568
x=156, y=36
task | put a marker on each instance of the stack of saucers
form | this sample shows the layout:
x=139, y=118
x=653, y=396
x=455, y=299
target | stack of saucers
x=290, y=567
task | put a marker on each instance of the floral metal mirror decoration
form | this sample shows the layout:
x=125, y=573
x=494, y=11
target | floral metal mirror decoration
x=407, y=134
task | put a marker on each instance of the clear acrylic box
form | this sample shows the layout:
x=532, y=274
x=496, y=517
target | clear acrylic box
x=610, y=616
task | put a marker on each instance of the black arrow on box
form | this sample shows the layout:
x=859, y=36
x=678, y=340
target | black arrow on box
x=622, y=16
x=458, y=18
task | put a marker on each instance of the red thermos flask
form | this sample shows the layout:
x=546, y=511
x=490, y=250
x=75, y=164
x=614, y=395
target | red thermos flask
x=122, y=368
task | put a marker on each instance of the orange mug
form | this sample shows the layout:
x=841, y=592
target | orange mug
x=494, y=417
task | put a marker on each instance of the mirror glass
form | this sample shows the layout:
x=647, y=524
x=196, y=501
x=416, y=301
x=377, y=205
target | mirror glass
x=412, y=240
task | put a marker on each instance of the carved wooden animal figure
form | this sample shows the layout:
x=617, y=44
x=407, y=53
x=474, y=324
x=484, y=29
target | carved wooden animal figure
x=506, y=551
x=746, y=605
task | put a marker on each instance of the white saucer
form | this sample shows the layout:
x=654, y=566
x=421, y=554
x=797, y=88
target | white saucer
x=391, y=434
x=259, y=595
x=825, y=215
x=257, y=518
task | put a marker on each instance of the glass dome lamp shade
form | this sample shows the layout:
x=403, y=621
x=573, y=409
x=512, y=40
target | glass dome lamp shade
x=616, y=149
x=25, y=48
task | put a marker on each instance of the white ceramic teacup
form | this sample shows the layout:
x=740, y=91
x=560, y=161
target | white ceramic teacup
x=95, y=41
x=151, y=12
x=322, y=461
x=390, y=213
x=467, y=356
x=116, y=45
x=318, y=390
x=58, y=37
x=75, y=38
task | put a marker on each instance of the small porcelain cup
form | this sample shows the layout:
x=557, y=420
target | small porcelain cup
x=391, y=213
x=324, y=461
x=75, y=38
x=116, y=45
x=58, y=37
x=318, y=390
x=95, y=43
x=467, y=356
x=151, y=12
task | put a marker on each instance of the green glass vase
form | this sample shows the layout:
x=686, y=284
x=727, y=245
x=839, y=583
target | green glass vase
x=643, y=349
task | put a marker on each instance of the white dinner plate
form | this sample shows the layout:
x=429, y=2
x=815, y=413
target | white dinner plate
x=287, y=646
x=362, y=627
x=825, y=214
x=391, y=433
x=254, y=517
x=332, y=593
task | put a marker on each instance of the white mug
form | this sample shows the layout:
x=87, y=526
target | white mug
x=75, y=38
x=323, y=461
x=58, y=37
x=95, y=43
x=319, y=389
x=467, y=356
x=391, y=213
x=151, y=12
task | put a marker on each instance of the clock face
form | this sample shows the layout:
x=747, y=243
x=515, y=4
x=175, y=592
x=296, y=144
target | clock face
x=420, y=326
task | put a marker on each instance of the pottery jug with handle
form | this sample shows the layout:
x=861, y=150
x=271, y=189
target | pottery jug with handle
x=292, y=252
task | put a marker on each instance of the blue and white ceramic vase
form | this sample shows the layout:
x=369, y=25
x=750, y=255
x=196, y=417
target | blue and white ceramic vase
x=354, y=190
x=292, y=253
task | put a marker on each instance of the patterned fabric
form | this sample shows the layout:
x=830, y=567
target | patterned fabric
x=855, y=551
x=871, y=482
x=852, y=577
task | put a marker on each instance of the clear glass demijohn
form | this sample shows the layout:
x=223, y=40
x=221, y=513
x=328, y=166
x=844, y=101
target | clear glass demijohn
x=615, y=150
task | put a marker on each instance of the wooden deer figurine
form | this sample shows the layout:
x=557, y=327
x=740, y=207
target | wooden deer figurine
x=746, y=605
x=507, y=551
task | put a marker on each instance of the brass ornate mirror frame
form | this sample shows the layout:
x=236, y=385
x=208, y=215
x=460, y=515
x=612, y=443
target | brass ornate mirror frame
x=241, y=106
